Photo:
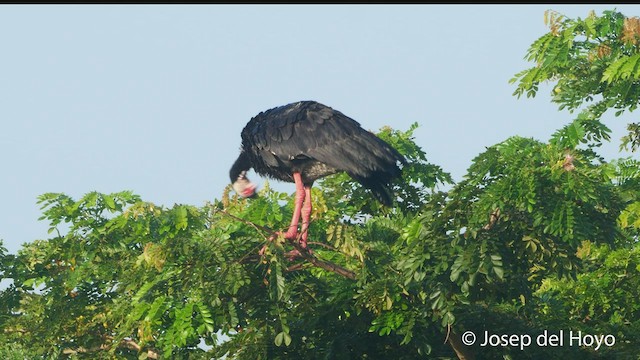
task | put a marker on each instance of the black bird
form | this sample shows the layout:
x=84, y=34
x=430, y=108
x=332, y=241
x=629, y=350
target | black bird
x=304, y=141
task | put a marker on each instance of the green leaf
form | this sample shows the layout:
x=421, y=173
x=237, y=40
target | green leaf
x=630, y=67
x=279, y=338
x=109, y=201
x=181, y=221
x=499, y=272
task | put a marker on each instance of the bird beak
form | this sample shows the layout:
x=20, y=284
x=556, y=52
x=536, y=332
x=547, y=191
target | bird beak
x=249, y=191
x=244, y=188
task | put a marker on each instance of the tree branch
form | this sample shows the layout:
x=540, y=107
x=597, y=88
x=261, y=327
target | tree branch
x=462, y=351
x=128, y=343
x=495, y=215
x=304, y=252
x=254, y=225
x=307, y=255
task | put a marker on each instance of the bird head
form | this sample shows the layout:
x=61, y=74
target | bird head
x=243, y=187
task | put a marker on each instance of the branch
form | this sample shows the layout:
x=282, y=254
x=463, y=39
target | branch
x=256, y=226
x=462, y=351
x=326, y=246
x=307, y=255
x=495, y=215
x=128, y=343
x=247, y=222
x=296, y=267
x=304, y=252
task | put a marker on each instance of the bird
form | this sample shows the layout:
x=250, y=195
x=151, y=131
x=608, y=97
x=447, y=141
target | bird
x=304, y=141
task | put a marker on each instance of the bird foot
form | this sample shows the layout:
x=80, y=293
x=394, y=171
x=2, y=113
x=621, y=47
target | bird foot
x=295, y=253
x=290, y=255
x=262, y=250
x=291, y=235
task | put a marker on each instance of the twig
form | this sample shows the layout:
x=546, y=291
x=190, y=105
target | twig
x=295, y=267
x=495, y=215
x=256, y=226
x=326, y=246
x=448, y=333
x=128, y=343
x=304, y=252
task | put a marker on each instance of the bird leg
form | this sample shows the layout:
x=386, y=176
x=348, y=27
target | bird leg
x=292, y=232
x=306, y=216
x=302, y=207
x=304, y=228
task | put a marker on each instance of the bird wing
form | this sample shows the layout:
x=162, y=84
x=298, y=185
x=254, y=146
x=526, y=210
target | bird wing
x=269, y=134
x=312, y=130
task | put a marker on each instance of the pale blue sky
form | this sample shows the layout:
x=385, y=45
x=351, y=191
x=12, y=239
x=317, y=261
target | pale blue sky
x=153, y=98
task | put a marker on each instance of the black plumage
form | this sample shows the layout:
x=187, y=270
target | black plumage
x=314, y=140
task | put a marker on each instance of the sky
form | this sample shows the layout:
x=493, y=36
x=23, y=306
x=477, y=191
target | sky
x=152, y=98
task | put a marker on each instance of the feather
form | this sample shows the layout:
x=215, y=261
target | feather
x=315, y=140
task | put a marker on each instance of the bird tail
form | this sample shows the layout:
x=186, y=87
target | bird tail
x=379, y=188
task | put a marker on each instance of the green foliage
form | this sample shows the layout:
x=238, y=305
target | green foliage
x=632, y=139
x=15, y=352
x=593, y=61
x=124, y=278
x=601, y=300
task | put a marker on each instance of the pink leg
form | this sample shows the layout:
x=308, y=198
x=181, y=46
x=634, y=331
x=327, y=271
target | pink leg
x=303, y=196
x=306, y=216
x=292, y=232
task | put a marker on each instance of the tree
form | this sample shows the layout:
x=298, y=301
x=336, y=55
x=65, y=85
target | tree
x=594, y=61
x=130, y=279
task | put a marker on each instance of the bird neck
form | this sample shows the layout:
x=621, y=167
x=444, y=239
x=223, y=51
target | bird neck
x=240, y=167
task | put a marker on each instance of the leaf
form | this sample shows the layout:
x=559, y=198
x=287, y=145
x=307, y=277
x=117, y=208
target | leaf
x=499, y=272
x=279, y=338
x=630, y=216
x=388, y=303
x=279, y=282
x=448, y=319
x=456, y=268
x=590, y=26
x=613, y=71
x=155, y=310
x=109, y=201
x=575, y=134
x=144, y=290
x=570, y=135
x=180, y=218
x=630, y=67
